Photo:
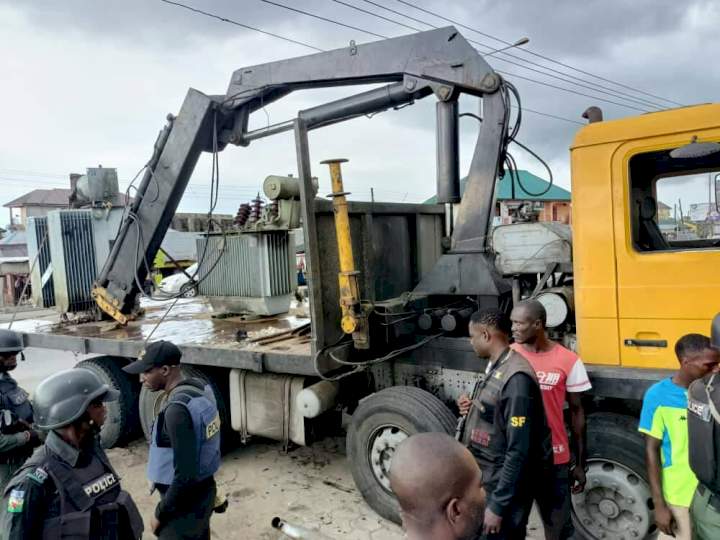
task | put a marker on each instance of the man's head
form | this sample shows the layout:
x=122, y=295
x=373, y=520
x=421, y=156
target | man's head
x=72, y=402
x=439, y=486
x=488, y=326
x=528, y=321
x=158, y=365
x=10, y=346
x=696, y=355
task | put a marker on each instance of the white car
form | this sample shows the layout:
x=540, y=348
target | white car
x=180, y=283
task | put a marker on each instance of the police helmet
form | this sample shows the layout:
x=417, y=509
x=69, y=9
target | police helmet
x=64, y=397
x=715, y=331
x=10, y=342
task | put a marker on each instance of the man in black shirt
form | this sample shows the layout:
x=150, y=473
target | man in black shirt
x=505, y=428
x=184, y=446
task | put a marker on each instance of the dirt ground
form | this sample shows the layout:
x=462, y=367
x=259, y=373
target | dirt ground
x=310, y=486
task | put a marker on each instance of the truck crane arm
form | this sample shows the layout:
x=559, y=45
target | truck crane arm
x=439, y=62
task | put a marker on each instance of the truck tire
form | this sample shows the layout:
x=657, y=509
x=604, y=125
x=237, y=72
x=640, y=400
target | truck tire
x=616, y=502
x=150, y=403
x=122, y=421
x=380, y=423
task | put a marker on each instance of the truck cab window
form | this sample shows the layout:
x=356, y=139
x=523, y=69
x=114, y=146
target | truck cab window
x=674, y=203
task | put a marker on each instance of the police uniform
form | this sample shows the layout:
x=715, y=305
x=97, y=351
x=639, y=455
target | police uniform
x=507, y=432
x=16, y=441
x=184, y=456
x=704, y=449
x=69, y=491
x=64, y=492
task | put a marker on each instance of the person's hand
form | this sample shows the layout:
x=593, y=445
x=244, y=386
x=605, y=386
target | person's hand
x=464, y=402
x=578, y=479
x=665, y=520
x=35, y=439
x=24, y=424
x=154, y=525
x=491, y=522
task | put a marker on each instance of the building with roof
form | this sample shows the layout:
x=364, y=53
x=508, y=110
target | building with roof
x=14, y=266
x=37, y=203
x=527, y=197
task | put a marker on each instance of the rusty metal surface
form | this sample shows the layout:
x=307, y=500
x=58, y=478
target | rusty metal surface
x=203, y=339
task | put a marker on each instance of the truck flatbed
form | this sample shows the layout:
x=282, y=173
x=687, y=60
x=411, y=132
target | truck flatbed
x=204, y=339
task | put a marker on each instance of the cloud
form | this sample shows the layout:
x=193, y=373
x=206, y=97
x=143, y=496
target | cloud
x=91, y=82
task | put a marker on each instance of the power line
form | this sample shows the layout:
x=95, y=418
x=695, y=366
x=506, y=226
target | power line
x=242, y=25
x=198, y=190
x=525, y=109
x=225, y=19
x=570, y=91
x=319, y=17
x=595, y=86
x=451, y=21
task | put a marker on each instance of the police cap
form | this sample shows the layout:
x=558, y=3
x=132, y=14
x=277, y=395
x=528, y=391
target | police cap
x=157, y=354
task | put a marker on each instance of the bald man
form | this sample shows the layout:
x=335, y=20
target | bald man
x=439, y=486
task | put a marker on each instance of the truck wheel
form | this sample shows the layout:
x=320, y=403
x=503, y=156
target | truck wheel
x=616, y=502
x=150, y=404
x=380, y=423
x=122, y=420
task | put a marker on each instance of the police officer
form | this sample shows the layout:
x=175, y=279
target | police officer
x=184, y=445
x=505, y=428
x=68, y=489
x=17, y=437
x=704, y=448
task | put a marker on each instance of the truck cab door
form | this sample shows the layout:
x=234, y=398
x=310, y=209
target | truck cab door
x=667, y=244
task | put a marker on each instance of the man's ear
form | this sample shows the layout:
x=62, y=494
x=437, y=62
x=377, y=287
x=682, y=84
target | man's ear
x=452, y=510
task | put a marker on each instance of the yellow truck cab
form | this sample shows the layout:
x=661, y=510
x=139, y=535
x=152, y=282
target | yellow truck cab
x=646, y=235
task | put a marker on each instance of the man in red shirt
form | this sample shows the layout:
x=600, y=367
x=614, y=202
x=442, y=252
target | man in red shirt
x=562, y=378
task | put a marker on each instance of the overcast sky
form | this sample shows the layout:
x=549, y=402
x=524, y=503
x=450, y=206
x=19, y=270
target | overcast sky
x=90, y=82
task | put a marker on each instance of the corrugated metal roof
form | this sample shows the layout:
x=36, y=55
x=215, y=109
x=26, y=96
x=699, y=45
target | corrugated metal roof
x=528, y=181
x=42, y=197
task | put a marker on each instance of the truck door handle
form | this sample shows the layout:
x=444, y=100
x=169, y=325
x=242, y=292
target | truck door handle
x=645, y=343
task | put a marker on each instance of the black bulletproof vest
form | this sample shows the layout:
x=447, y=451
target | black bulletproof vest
x=92, y=505
x=704, y=431
x=15, y=399
x=485, y=439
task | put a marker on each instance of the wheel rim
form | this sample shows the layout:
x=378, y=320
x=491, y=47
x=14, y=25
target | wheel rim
x=381, y=448
x=614, y=504
x=189, y=292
